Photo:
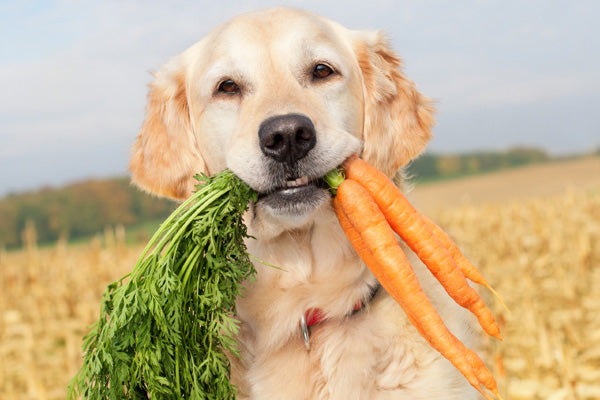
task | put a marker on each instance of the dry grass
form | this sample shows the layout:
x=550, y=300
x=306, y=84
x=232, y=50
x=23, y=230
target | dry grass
x=48, y=298
x=541, y=254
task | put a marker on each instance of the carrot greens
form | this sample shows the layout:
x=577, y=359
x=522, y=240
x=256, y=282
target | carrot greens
x=165, y=328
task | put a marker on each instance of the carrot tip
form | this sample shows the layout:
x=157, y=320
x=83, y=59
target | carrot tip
x=497, y=394
x=492, y=329
x=487, y=396
x=495, y=333
x=483, y=393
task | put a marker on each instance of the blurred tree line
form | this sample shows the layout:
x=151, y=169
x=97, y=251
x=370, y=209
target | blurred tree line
x=442, y=166
x=77, y=210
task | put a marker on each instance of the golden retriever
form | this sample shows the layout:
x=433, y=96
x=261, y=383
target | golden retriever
x=281, y=97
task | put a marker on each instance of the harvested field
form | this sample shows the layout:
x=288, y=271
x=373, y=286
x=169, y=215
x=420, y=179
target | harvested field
x=539, y=251
x=48, y=298
x=537, y=180
x=542, y=256
x=534, y=233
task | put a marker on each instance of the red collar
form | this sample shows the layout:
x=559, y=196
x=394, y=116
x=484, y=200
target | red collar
x=315, y=316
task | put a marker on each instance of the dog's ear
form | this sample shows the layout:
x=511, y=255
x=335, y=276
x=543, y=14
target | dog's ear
x=398, y=119
x=165, y=154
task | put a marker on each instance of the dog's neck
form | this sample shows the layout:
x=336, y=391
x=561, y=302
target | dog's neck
x=317, y=268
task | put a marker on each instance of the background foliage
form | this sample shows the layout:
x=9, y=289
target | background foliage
x=77, y=210
x=431, y=166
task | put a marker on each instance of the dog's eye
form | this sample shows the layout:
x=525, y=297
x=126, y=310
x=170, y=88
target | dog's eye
x=229, y=87
x=322, y=71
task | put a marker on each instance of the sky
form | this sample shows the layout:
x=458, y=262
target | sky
x=74, y=74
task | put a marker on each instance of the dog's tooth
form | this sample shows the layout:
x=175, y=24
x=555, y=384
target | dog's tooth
x=297, y=182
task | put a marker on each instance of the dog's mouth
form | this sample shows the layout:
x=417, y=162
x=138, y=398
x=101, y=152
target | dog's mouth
x=296, y=185
x=296, y=195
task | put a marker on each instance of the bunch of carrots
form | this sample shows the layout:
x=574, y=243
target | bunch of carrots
x=370, y=209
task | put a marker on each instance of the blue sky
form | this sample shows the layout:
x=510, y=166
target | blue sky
x=74, y=73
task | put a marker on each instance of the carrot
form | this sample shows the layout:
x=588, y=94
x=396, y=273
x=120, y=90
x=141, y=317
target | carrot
x=467, y=268
x=373, y=239
x=357, y=242
x=409, y=224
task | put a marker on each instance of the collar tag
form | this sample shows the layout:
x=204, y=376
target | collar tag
x=305, y=332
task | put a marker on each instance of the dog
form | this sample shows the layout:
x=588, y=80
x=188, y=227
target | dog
x=281, y=97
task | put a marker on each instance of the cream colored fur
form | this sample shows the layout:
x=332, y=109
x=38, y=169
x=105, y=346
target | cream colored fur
x=369, y=107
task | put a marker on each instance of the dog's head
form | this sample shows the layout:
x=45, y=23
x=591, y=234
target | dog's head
x=280, y=97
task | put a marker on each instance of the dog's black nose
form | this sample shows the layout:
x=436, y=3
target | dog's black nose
x=287, y=138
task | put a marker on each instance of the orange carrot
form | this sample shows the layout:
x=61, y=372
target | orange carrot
x=483, y=374
x=411, y=227
x=467, y=268
x=374, y=240
x=357, y=242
